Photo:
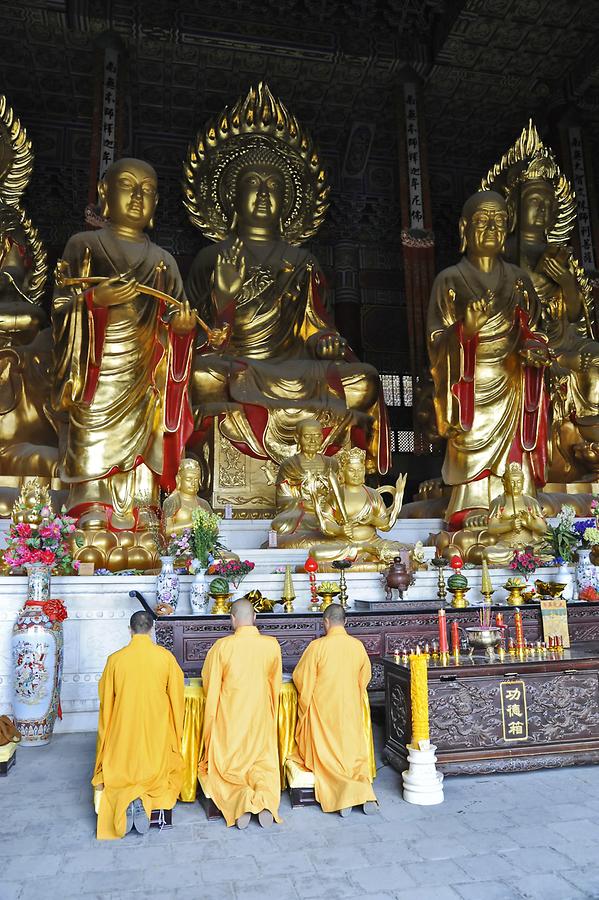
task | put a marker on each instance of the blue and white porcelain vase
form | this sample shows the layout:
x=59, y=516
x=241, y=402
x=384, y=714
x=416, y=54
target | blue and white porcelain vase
x=37, y=651
x=586, y=572
x=167, y=583
x=198, y=591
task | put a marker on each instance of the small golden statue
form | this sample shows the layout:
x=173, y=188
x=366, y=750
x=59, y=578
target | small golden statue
x=350, y=513
x=301, y=478
x=255, y=186
x=487, y=357
x=178, y=507
x=33, y=497
x=123, y=356
x=542, y=214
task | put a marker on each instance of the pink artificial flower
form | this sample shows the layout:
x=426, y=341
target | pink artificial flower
x=23, y=530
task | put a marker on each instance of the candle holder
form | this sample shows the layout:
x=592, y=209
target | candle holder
x=311, y=567
x=439, y=562
x=341, y=565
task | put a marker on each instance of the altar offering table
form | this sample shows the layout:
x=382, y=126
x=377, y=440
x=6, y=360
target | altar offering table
x=193, y=721
x=382, y=633
x=523, y=713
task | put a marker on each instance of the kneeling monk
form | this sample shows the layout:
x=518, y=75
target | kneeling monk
x=331, y=678
x=242, y=677
x=139, y=766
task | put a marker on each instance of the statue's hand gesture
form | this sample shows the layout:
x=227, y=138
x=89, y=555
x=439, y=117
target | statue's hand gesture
x=114, y=291
x=331, y=346
x=184, y=320
x=229, y=272
x=477, y=314
x=400, y=485
x=536, y=354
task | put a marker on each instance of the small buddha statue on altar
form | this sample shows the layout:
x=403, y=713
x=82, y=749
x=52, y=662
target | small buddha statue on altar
x=515, y=520
x=178, y=507
x=349, y=530
x=300, y=479
x=255, y=186
x=27, y=507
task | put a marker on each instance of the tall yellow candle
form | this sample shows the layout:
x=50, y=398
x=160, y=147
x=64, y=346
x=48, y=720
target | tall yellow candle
x=419, y=698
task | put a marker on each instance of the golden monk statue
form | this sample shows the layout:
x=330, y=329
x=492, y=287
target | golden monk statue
x=122, y=360
x=301, y=477
x=487, y=361
x=515, y=519
x=542, y=212
x=178, y=507
x=350, y=530
x=255, y=186
x=28, y=441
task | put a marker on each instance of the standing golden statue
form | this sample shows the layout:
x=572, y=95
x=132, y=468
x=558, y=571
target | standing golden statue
x=349, y=529
x=122, y=362
x=487, y=361
x=254, y=184
x=28, y=442
x=542, y=212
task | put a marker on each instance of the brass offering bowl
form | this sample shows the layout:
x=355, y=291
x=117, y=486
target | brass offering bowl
x=485, y=639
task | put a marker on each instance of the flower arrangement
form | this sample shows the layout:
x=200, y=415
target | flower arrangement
x=589, y=593
x=561, y=539
x=525, y=562
x=48, y=543
x=204, y=535
x=166, y=544
x=587, y=532
x=234, y=571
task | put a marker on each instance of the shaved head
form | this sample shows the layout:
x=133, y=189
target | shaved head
x=334, y=614
x=141, y=622
x=242, y=613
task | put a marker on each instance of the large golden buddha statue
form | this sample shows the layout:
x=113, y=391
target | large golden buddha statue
x=122, y=361
x=542, y=212
x=28, y=442
x=487, y=361
x=255, y=186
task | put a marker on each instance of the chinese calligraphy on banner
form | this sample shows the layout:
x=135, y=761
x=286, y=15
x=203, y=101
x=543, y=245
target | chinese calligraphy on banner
x=107, y=134
x=514, y=716
x=416, y=212
x=587, y=254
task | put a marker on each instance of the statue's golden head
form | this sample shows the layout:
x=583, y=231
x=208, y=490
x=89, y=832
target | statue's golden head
x=513, y=479
x=188, y=476
x=532, y=198
x=352, y=466
x=309, y=436
x=483, y=224
x=258, y=190
x=128, y=194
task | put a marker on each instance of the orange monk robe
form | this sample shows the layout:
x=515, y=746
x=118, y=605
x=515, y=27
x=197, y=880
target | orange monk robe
x=139, y=733
x=331, y=678
x=242, y=677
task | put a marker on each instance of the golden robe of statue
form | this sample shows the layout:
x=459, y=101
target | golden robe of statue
x=121, y=369
x=542, y=212
x=487, y=363
x=256, y=186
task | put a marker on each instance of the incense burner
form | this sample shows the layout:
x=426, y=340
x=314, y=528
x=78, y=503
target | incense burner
x=482, y=638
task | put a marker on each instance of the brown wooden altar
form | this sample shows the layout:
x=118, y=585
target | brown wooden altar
x=382, y=633
x=510, y=716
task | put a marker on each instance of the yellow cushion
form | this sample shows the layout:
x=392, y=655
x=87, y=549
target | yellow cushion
x=7, y=750
x=298, y=776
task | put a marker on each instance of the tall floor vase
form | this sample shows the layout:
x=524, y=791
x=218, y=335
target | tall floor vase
x=37, y=650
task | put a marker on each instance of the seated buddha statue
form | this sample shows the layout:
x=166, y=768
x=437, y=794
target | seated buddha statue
x=178, y=507
x=255, y=186
x=28, y=441
x=300, y=479
x=350, y=530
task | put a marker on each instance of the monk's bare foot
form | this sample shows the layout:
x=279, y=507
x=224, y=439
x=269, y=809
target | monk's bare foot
x=243, y=821
x=265, y=817
x=370, y=808
x=344, y=813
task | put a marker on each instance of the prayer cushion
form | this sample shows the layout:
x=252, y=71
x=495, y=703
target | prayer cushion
x=298, y=776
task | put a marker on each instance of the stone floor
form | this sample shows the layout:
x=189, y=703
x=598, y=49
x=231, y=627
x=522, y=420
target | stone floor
x=516, y=836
